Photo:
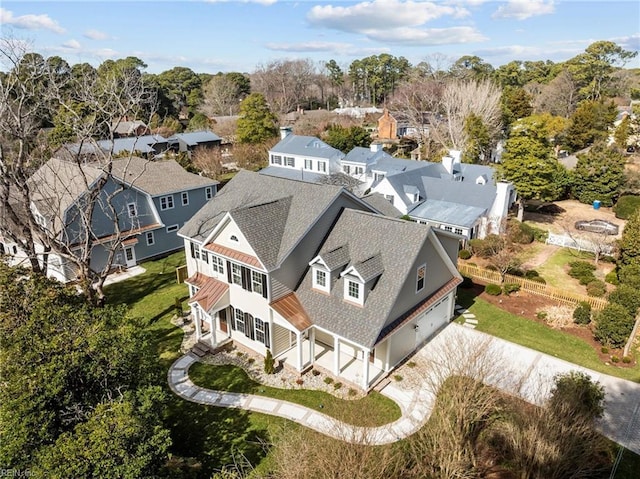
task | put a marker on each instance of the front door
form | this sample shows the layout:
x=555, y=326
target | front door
x=130, y=256
x=222, y=315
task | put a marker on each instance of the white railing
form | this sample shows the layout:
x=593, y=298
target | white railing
x=580, y=244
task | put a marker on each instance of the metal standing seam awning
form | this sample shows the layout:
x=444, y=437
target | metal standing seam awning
x=210, y=293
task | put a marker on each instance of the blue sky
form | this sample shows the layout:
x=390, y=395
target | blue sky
x=238, y=35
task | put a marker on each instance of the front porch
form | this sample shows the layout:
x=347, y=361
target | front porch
x=346, y=366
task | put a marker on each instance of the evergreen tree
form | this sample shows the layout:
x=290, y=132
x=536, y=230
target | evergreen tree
x=256, y=123
x=478, y=140
x=630, y=242
x=598, y=175
x=345, y=139
x=589, y=123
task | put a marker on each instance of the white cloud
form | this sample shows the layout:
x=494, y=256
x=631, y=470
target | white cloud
x=325, y=47
x=72, y=44
x=30, y=22
x=428, y=36
x=523, y=9
x=379, y=14
x=96, y=35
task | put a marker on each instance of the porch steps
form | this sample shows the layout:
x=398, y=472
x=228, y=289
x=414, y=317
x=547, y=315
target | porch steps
x=200, y=349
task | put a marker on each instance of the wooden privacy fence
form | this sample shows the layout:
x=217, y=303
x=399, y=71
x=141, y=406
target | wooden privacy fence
x=533, y=287
x=181, y=274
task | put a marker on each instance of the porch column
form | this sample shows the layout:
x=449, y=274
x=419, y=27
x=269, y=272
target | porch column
x=336, y=355
x=387, y=358
x=299, y=349
x=212, y=329
x=198, y=325
x=312, y=345
x=365, y=369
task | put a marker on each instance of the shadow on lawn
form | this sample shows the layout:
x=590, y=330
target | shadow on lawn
x=466, y=297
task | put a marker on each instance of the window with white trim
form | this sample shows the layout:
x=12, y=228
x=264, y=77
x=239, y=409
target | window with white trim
x=458, y=231
x=259, y=327
x=353, y=289
x=195, y=250
x=289, y=161
x=308, y=165
x=185, y=198
x=256, y=282
x=322, y=166
x=217, y=264
x=346, y=169
x=208, y=193
x=172, y=228
x=205, y=256
x=420, y=277
x=276, y=159
x=150, y=238
x=378, y=176
x=133, y=210
x=236, y=274
x=166, y=202
x=359, y=170
x=239, y=314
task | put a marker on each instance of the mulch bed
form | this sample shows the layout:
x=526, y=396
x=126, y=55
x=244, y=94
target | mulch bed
x=527, y=305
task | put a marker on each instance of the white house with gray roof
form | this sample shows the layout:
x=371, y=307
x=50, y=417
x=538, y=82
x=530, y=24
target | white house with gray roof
x=317, y=276
x=457, y=197
x=138, y=210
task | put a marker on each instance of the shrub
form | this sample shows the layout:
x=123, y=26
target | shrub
x=542, y=315
x=464, y=254
x=626, y=206
x=299, y=381
x=269, y=363
x=485, y=248
x=538, y=279
x=613, y=325
x=576, y=394
x=516, y=272
x=582, y=313
x=597, y=288
x=615, y=359
x=630, y=275
x=328, y=380
x=612, y=278
x=467, y=282
x=398, y=377
x=540, y=235
x=177, y=305
x=352, y=392
x=582, y=271
x=251, y=360
x=509, y=288
x=315, y=372
x=626, y=296
x=337, y=385
x=626, y=359
x=520, y=233
x=604, y=350
x=493, y=289
x=531, y=273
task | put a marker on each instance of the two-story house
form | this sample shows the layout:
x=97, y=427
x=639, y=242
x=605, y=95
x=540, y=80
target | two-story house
x=317, y=276
x=138, y=207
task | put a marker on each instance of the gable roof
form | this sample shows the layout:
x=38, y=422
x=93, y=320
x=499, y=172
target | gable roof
x=380, y=246
x=383, y=205
x=365, y=156
x=306, y=145
x=159, y=177
x=282, y=209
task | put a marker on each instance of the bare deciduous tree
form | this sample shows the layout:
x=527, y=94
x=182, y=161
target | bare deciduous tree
x=285, y=84
x=559, y=97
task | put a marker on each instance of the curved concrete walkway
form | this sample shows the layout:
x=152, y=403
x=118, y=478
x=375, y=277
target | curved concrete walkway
x=454, y=350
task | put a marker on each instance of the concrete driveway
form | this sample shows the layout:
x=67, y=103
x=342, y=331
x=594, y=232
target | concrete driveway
x=530, y=375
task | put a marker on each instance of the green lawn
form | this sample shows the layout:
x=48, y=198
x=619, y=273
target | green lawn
x=537, y=336
x=553, y=270
x=380, y=410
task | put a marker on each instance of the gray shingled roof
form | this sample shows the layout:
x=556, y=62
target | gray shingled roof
x=143, y=144
x=293, y=174
x=383, y=205
x=306, y=202
x=394, y=244
x=370, y=268
x=336, y=258
x=306, y=145
x=157, y=177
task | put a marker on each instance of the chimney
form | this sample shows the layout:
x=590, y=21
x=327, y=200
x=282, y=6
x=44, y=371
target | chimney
x=375, y=147
x=451, y=161
x=284, y=132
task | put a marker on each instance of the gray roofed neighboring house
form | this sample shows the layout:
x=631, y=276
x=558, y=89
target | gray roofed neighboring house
x=448, y=213
x=191, y=140
x=306, y=146
x=293, y=174
x=365, y=156
x=148, y=145
x=130, y=128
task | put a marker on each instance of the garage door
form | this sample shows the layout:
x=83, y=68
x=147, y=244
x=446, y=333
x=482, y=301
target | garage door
x=431, y=320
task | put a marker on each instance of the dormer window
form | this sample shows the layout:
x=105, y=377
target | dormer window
x=353, y=290
x=320, y=279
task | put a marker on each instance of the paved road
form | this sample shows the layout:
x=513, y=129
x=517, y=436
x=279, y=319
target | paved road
x=455, y=350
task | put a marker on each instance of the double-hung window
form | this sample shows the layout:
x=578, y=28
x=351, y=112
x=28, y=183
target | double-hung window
x=185, y=198
x=239, y=320
x=256, y=282
x=133, y=210
x=322, y=166
x=289, y=161
x=208, y=193
x=217, y=264
x=308, y=165
x=276, y=159
x=259, y=325
x=236, y=274
x=150, y=239
x=166, y=202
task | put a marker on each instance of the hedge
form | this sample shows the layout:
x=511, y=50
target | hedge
x=626, y=206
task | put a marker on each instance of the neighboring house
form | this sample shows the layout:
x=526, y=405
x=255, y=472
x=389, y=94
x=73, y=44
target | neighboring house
x=128, y=128
x=387, y=126
x=188, y=142
x=302, y=156
x=147, y=146
x=316, y=276
x=457, y=197
x=139, y=209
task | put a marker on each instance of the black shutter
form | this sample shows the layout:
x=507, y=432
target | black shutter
x=193, y=250
x=248, y=326
x=267, y=335
x=229, y=272
x=264, y=286
x=246, y=278
x=232, y=318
